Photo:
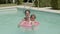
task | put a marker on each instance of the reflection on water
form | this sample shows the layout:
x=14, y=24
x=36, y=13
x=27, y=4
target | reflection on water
x=27, y=31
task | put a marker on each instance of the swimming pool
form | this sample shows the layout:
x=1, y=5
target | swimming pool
x=49, y=22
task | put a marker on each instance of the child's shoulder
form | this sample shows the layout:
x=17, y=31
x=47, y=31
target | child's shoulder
x=36, y=22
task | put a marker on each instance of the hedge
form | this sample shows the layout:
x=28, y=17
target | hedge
x=19, y=2
x=42, y=3
x=55, y=4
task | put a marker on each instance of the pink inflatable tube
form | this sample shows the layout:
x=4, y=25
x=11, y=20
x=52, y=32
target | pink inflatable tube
x=26, y=24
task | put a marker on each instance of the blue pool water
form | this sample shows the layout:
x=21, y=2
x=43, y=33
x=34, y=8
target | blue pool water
x=49, y=22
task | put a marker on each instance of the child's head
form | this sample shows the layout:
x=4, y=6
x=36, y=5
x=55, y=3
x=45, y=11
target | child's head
x=32, y=17
x=27, y=13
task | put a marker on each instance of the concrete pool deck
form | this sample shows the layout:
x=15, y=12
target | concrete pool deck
x=46, y=9
x=8, y=10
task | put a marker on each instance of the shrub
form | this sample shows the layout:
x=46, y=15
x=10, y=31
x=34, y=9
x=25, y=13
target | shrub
x=55, y=4
x=19, y=2
x=36, y=3
x=2, y=1
x=42, y=3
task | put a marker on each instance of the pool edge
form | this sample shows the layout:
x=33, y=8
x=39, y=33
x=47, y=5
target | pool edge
x=45, y=9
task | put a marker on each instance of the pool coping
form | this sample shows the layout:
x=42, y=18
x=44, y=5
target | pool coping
x=45, y=9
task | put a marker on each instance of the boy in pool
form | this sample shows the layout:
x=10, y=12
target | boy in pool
x=26, y=18
x=34, y=23
x=27, y=14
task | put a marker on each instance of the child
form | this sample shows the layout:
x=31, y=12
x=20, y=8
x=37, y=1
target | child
x=26, y=18
x=34, y=23
x=27, y=14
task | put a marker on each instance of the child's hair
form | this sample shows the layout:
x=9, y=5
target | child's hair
x=27, y=10
x=33, y=15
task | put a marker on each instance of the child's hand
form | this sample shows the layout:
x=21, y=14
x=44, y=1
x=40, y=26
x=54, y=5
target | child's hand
x=32, y=23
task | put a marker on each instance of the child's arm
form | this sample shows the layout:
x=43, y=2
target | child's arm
x=20, y=24
x=32, y=25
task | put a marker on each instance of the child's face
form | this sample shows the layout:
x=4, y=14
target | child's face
x=32, y=18
x=27, y=14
